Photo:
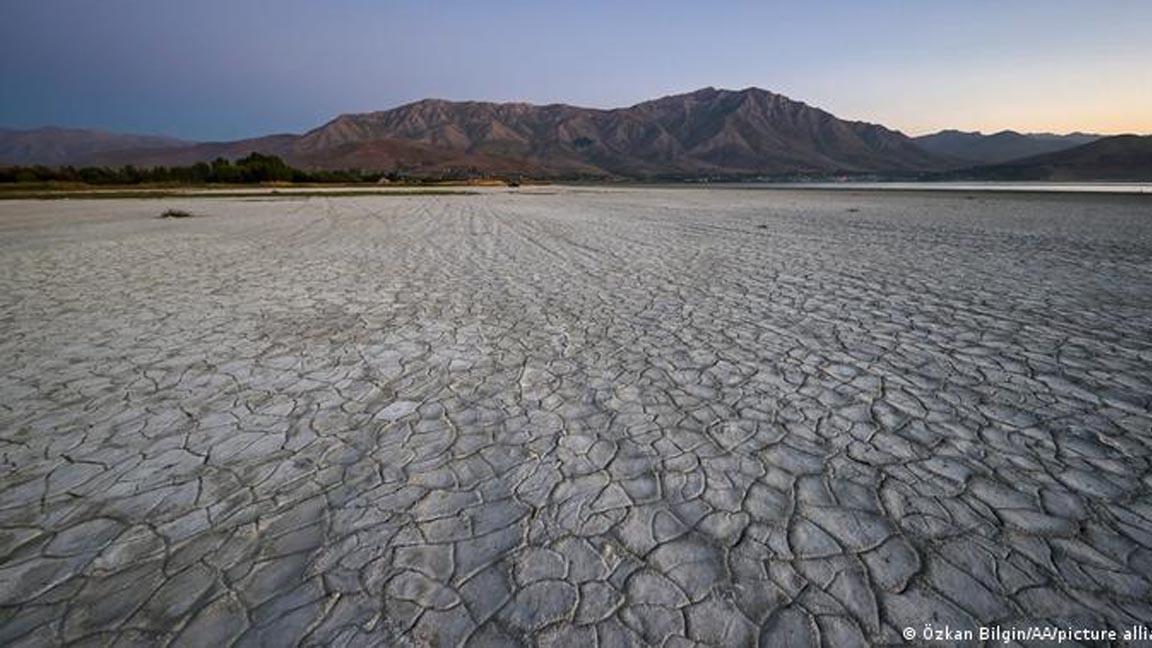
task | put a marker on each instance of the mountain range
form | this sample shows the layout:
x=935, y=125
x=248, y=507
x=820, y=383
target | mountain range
x=977, y=148
x=707, y=133
x=56, y=146
x=1122, y=157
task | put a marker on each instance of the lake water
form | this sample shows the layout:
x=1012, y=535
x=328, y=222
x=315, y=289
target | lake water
x=1057, y=187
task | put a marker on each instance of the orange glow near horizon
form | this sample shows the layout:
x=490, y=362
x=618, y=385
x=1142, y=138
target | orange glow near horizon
x=1055, y=92
x=1105, y=111
x=1115, y=127
x=1104, y=120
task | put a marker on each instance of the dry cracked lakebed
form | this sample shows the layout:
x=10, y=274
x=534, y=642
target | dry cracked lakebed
x=573, y=417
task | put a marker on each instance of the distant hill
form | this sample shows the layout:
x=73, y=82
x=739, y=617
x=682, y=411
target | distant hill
x=708, y=132
x=999, y=147
x=1122, y=157
x=57, y=146
x=190, y=153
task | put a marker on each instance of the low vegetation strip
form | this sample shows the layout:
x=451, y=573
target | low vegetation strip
x=209, y=192
x=255, y=168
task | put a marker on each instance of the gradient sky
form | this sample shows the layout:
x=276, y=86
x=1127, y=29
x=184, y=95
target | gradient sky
x=223, y=69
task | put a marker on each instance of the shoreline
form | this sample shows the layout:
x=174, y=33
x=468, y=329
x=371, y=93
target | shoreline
x=14, y=192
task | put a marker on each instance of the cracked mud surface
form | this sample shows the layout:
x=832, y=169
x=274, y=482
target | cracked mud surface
x=574, y=417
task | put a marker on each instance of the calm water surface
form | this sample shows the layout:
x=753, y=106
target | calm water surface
x=1057, y=187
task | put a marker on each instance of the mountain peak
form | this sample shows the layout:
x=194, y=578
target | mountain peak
x=708, y=92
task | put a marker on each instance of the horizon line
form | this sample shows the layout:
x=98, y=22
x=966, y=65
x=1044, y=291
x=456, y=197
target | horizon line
x=514, y=102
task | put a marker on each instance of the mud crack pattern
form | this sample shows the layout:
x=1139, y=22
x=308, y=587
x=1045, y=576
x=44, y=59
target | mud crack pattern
x=573, y=417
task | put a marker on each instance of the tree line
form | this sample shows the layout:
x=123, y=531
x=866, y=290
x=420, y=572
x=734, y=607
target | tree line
x=252, y=169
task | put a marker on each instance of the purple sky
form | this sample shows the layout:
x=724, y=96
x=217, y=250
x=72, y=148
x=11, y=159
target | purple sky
x=220, y=69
